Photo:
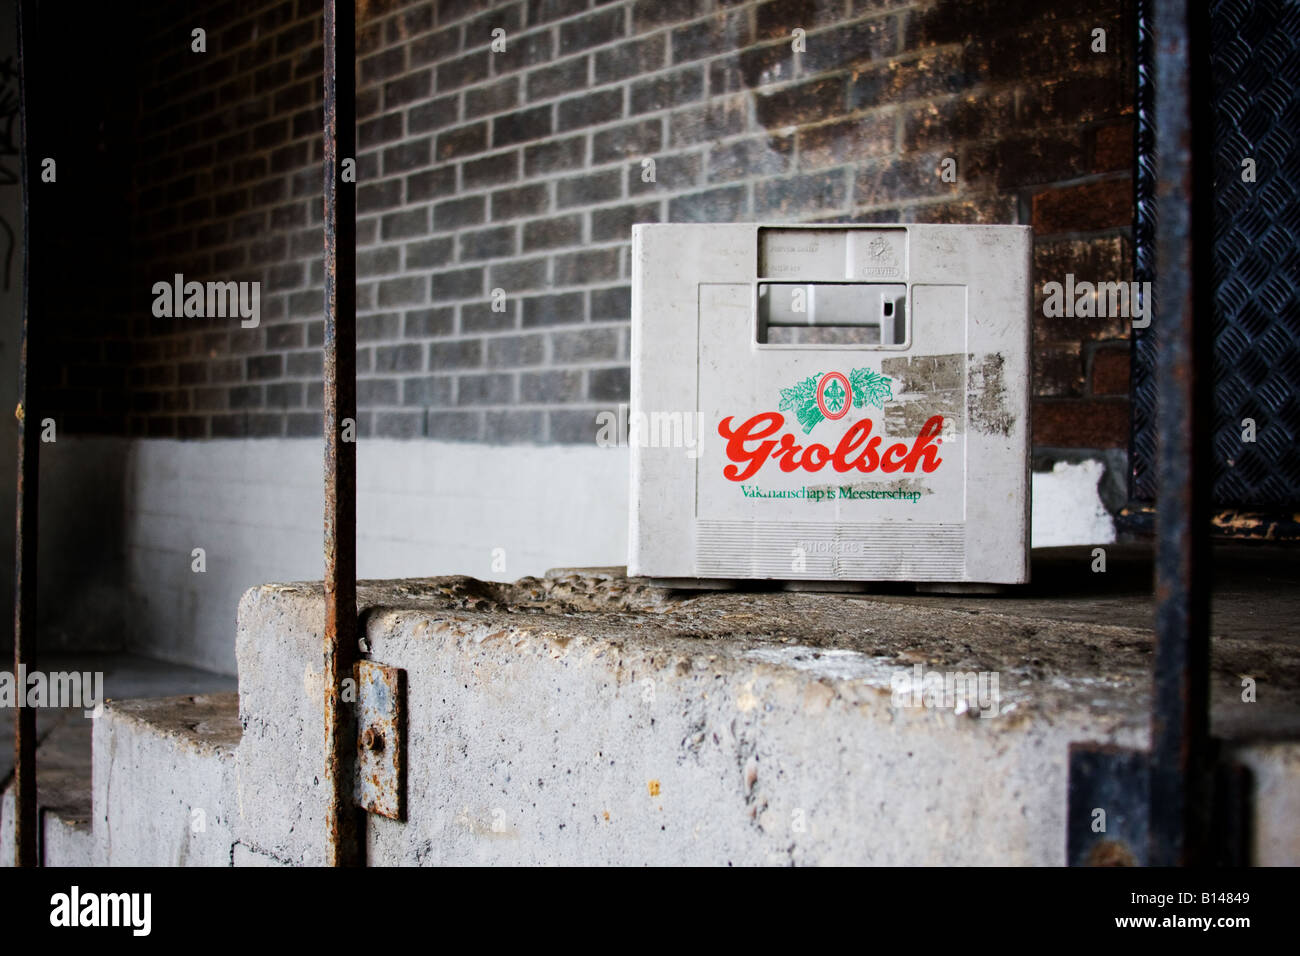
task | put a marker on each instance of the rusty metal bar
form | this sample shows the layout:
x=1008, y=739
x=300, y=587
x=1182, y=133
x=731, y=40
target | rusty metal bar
x=345, y=834
x=1180, y=744
x=26, y=820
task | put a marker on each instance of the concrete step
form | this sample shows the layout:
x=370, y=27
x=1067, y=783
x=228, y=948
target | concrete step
x=63, y=793
x=589, y=719
x=65, y=740
x=164, y=781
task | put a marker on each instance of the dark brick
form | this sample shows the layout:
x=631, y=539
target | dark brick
x=1110, y=369
x=591, y=188
x=458, y=284
x=529, y=200
x=558, y=80
x=1084, y=208
x=932, y=73
x=455, y=426
x=553, y=309
x=435, y=114
x=791, y=105
x=494, y=98
x=408, y=89
x=523, y=52
x=462, y=71
x=550, y=387
x=409, y=155
x=403, y=290
x=435, y=47
x=495, y=389
x=399, y=358
x=376, y=196
x=1027, y=160
x=1112, y=148
x=424, y=323
x=851, y=46
x=648, y=14
x=402, y=225
x=515, y=426
x=518, y=274
x=430, y=184
x=376, y=391
x=1099, y=423
x=553, y=156
x=481, y=317
x=521, y=126
x=462, y=141
x=590, y=265
x=494, y=243
x=399, y=425
x=428, y=390
x=572, y=427
x=589, y=109
x=490, y=170
x=378, y=327
x=429, y=252
x=781, y=18
x=631, y=139
x=383, y=66
x=478, y=32
x=303, y=364
x=616, y=222
x=549, y=233
x=940, y=122
x=883, y=181
x=666, y=91
x=514, y=351
x=544, y=11
x=630, y=59
x=615, y=303
x=721, y=33
x=1057, y=370
x=609, y=384
x=601, y=27
x=587, y=345
x=845, y=141
x=709, y=123
x=713, y=205
x=458, y=354
x=751, y=68
x=457, y=213
x=758, y=156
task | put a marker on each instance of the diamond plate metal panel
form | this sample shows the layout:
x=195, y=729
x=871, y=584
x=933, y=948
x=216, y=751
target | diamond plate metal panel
x=1255, y=72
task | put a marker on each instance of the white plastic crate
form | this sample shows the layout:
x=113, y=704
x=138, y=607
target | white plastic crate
x=830, y=402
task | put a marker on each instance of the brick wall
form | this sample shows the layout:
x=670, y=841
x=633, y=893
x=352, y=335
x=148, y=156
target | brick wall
x=522, y=171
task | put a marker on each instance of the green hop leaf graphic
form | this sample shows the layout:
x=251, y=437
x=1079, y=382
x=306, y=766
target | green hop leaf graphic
x=835, y=396
x=802, y=400
x=870, y=388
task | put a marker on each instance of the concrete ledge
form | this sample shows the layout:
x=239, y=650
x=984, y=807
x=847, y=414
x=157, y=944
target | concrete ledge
x=62, y=794
x=164, y=781
x=589, y=719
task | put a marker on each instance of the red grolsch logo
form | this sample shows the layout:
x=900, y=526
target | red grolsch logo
x=828, y=396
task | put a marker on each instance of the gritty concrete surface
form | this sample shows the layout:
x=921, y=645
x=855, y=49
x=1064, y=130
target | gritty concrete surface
x=64, y=735
x=585, y=718
x=164, y=779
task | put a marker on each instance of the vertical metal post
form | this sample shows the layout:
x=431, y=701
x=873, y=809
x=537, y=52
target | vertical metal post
x=25, y=821
x=1180, y=717
x=344, y=832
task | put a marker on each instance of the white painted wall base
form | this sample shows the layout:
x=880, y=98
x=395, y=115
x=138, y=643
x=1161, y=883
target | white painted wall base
x=423, y=508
